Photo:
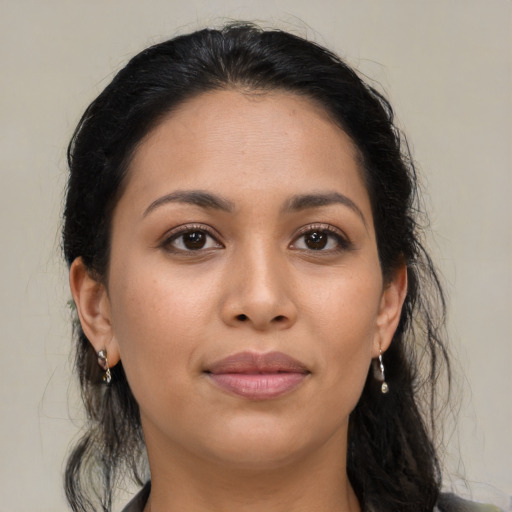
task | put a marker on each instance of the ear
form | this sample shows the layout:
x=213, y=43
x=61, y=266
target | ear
x=390, y=309
x=93, y=307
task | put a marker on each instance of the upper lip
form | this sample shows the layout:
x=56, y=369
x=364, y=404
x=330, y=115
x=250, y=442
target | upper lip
x=254, y=362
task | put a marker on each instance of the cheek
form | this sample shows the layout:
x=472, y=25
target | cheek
x=346, y=305
x=150, y=298
x=345, y=317
x=158, y=321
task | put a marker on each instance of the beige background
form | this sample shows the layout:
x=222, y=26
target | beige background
x=446, y=66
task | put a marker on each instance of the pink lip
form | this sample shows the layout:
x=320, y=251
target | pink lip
x=258, y=376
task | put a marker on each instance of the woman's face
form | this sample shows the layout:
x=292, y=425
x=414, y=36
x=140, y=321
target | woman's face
x=245, y=296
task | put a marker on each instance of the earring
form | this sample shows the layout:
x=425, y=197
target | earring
x=384, y=386
x=103, y=362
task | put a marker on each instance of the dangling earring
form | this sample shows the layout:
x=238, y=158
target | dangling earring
x=384, y=386
x=103, y=362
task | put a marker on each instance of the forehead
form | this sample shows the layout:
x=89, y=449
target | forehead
x=236, y=141
x=285, y=117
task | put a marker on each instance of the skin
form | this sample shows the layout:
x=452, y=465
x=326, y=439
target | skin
x=256, y=285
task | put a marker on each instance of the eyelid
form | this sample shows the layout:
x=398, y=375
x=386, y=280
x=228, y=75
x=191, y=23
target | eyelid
x=175, y=232
x=344, y=241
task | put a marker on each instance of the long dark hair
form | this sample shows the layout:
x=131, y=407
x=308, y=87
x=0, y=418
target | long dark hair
x=392, y=462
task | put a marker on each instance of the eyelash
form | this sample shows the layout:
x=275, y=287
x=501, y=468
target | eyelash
x=342, y=242
x=180, y=231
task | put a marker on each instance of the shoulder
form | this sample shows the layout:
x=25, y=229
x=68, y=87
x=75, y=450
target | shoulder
x=139, y=501
x=451, y=503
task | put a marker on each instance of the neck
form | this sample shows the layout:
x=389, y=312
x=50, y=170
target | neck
x=317, y=483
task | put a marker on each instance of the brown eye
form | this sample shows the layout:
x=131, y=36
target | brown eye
x=322, y=239
x=194, y=240
x=316, y=240
x=189, y=240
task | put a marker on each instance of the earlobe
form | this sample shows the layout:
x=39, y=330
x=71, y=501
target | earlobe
x=93, y=307
x=392, y=300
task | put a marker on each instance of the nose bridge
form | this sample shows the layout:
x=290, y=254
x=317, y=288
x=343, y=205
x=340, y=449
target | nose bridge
x=262, y=277
x=260, y=287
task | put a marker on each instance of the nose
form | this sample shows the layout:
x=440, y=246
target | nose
x=259, y=292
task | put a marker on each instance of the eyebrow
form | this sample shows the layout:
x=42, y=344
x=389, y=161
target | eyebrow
x=208, y=200
x=194, y=197
x=303, y=202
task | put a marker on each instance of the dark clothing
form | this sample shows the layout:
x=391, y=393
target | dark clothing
x=447, y=503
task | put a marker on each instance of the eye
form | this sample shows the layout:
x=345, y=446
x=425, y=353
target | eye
x=320, y=238
x=190, y=239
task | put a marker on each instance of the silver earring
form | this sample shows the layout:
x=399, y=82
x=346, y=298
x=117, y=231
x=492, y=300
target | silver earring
x=103, y=362
x=384, y=386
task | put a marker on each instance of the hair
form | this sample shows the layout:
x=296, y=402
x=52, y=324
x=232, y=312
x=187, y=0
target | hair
x=391, y=462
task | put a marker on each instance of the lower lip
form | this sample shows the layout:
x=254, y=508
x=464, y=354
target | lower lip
x=258, y=386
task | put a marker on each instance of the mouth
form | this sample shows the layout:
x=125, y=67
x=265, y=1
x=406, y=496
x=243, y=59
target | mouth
x=258, y=376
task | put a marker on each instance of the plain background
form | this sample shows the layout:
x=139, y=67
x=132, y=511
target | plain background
x=446, y=66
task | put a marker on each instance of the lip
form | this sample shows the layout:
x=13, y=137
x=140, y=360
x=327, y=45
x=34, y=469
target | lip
x=257, y=376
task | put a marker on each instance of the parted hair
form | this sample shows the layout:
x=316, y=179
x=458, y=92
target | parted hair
x=391, y=462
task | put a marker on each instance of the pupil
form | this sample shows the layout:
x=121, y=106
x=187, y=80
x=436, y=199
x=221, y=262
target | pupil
x=194, y=240
x=316, y=240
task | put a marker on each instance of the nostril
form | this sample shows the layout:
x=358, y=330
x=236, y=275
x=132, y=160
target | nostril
x=241, y=317
x=279, y=318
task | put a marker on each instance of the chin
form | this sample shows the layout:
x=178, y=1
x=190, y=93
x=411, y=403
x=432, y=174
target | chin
x=263, y=445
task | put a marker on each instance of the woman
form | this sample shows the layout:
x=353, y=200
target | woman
x=252, y=294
